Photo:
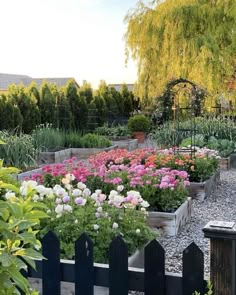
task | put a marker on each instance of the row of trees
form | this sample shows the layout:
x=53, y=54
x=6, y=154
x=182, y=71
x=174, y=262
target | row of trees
x=69, y=107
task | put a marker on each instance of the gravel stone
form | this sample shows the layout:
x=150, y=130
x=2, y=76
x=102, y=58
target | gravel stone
x=221, y=206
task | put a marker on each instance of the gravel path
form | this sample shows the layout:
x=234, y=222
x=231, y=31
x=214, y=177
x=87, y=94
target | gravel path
x=221, y=205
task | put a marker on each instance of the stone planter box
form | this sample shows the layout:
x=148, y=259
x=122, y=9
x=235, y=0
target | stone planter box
x=202, y=190
x=169, y=224
x=54, y=157
x=128, y=144
x=85, y=153
x=136, y=260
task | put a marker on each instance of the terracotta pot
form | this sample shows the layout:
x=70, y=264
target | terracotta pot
x=140, y=136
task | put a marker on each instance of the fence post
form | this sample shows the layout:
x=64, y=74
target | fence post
x=222, y=256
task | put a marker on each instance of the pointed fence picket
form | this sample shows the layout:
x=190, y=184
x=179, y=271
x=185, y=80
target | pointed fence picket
x=118, y=277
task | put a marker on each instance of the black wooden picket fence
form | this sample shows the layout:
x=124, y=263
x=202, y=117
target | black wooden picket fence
x=118, y=277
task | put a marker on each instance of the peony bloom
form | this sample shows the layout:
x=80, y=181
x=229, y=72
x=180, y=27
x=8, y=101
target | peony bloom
x=80, y=201
x=95, y=226
x=115, y=225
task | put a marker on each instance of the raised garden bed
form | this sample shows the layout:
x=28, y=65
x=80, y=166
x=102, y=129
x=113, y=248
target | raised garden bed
x=60, y=156
x=54, y=157
x=85, y=153
x=169, y=224
x=202, y=190
x=27, y=174
x=233, y=160
x=128, y=144
x=224, y=163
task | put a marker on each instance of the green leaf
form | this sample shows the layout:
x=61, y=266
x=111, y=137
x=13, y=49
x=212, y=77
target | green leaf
x=16, y=209
x=32, y=254
x=36, y=214
x=6, y=259
x=18, y=278
x=3, y=225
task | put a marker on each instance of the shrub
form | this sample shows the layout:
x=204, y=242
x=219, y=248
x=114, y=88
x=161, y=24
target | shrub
x=94, y=141
x=47, y=138
x=139, y=123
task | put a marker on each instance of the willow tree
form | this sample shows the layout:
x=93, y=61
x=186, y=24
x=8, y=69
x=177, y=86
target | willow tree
x=192, y=39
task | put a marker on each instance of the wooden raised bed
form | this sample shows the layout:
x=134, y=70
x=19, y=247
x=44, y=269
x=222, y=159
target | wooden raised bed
x=169, y=224
x=202, y=190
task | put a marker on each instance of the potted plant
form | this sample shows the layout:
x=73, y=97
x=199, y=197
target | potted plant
x=139, y=125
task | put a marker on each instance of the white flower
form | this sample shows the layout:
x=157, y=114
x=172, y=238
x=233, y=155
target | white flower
x=94, y=196
x=113, y=193
x=115, y=225
x=10, y=195
x=120, y=188
x=118, y=199
x=65, y=180
x=86, y=192
x=137, y=231
x=99, y=209
x=98, y=191
x=35, y=198
x=95, y=226
x=143, y=209
x=59, y=209
x=28, y=186
x=68, y=208
x=76, y=192
x=71, y=177
x=81, y=185
x=58, y=200
x=144, y=204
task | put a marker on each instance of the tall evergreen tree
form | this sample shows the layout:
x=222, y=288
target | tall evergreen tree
x=47, y=105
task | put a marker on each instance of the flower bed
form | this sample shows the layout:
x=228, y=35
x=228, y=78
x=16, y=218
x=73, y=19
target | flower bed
x=164, y=189
x=74, y=209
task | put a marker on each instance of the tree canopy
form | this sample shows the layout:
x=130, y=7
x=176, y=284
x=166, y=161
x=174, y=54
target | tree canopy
x=191, y=39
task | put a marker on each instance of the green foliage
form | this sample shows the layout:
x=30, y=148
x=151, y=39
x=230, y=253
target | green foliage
x=199, y=141
x=18, y=244
x=64, y=113
x=113, y=131
x=186, y=38
x=94, y=141
x=19, y=150
x=139, y=123
x=47, y=105
x=47, y=138
x=169, y=135
x=10, y=115
x=72, y=139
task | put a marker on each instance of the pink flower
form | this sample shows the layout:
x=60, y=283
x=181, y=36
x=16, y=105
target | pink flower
x=163, y=184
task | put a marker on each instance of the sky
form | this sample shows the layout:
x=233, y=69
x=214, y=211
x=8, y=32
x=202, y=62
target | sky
x=83, y=39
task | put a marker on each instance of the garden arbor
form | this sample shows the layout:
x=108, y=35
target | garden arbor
x=181, y=98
